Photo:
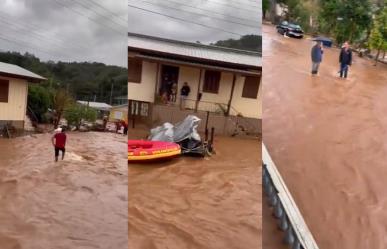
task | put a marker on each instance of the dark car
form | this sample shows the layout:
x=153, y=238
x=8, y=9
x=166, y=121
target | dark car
x=290, y=29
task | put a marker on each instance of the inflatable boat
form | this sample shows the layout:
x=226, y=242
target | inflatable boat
x=144, y=151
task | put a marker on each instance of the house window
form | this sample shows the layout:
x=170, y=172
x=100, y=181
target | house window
x=250, y=89
x=211, y=81
x=4, y=91
x=134, y=70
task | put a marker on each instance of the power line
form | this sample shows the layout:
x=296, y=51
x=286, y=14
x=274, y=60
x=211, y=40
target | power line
x=32, y=28
x=185, y=20
x=23, y=44
x=237, y=2
x=232, y=6
x=201, y=14
x=211, y=11
x=89, y=8
x=16, y=28
x=81, y=14
x=114, y=14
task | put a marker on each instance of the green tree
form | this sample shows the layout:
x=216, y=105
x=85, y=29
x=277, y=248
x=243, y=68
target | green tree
x=61, y=100
x=39, y=100
x=265, y=7
x=378, y=36
x=345, y=19
x=75, y=114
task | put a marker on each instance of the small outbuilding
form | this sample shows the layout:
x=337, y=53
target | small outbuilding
x=14, y=82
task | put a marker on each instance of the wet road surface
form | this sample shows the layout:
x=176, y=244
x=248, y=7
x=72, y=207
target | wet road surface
x=77, y=203
x=328, y=137
x=193, y=203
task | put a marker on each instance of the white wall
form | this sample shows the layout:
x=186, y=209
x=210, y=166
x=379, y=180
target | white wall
x=144, y=91
x=15, y=109
x=251, y=108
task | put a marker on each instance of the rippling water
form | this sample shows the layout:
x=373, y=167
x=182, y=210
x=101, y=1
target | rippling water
x=77, y=203
x=328, y=138
x=193, y=203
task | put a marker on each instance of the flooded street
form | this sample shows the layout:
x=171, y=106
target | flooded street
x=328, y=138
x=195, y=203
x=77, y=203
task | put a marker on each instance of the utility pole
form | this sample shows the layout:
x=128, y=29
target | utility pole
x=111, y=92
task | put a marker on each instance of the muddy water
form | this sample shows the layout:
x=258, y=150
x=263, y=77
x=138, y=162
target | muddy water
x=77, y=203
x=193, y=203
x=328, y=138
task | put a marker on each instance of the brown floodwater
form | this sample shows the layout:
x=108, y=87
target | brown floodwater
x=195, y=203
x=328, y=138
x=77, y=203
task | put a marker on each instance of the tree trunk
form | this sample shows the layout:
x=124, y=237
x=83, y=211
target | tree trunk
x=377, y=57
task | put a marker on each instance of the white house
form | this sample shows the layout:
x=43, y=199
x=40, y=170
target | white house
x=14, y=82
x=227, y=80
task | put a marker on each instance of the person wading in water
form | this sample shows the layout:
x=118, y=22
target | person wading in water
x=345, y=60
x=59, y=142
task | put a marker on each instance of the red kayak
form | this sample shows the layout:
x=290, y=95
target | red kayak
x=144, y=151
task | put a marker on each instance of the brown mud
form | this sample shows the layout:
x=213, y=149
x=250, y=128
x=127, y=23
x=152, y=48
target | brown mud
x=195, y=203
x=77, y=203
x=328, y=137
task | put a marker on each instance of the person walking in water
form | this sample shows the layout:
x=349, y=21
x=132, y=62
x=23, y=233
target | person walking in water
x=316, y=53
x=345, y=60
x=184, y=92
x=59, y=142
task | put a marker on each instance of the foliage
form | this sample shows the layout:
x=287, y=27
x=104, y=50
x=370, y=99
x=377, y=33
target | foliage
x=378, y=36
x=246, y=42
x=88, y=81
x=346, y=19
x=76, y=113
x=83, y=80
x=61, y=100
x=39, y=100
x=265, y=7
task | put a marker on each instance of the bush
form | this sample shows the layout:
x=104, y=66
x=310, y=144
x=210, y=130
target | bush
x=76, y=114
x=39, y=100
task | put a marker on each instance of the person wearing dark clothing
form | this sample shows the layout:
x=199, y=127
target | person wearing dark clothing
x=59, y=143
x=345, y=60
x=184, y=92
x=316, y=54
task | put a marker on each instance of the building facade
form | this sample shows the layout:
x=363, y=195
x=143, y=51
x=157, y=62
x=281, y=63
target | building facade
x=222, y=81
x=14, y=82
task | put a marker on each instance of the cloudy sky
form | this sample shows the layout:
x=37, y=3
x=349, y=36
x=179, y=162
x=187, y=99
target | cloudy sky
x=67, y=30
x=226, y=18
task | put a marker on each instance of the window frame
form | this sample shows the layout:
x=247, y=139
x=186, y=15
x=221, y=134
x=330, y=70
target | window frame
x=4, y=97
x=135, y=76
x=210, y=75
x=247, y=91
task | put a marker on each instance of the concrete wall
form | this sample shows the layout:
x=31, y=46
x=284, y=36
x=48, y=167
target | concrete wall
x=15, y=109
x=223, y=125
x=144, y=91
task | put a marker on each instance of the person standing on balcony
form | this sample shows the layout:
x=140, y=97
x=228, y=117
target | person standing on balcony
x=173, y=93
x=184, y=92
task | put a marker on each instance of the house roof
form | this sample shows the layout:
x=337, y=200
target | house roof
x=14, y=71
x=139, y=42
x=96, y=105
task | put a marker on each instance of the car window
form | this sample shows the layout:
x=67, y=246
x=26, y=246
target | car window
x=285, y=23
x=294, y=26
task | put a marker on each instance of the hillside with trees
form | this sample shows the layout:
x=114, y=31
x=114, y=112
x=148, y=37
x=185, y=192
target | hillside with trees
x=246, y=42
x=67, y=82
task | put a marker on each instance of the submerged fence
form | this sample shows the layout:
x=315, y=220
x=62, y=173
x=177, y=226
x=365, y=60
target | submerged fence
x=290, y=220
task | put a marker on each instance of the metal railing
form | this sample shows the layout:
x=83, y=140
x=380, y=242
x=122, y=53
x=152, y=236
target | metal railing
x=290, y=220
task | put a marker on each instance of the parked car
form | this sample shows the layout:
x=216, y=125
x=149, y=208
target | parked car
x=290, y=29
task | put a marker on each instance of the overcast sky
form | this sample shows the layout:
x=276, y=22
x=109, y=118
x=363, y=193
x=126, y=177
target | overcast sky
x=96, y=30
x=67, y=30
x=246, y=12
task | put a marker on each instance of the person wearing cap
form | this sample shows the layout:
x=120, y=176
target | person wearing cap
x=59, y=142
